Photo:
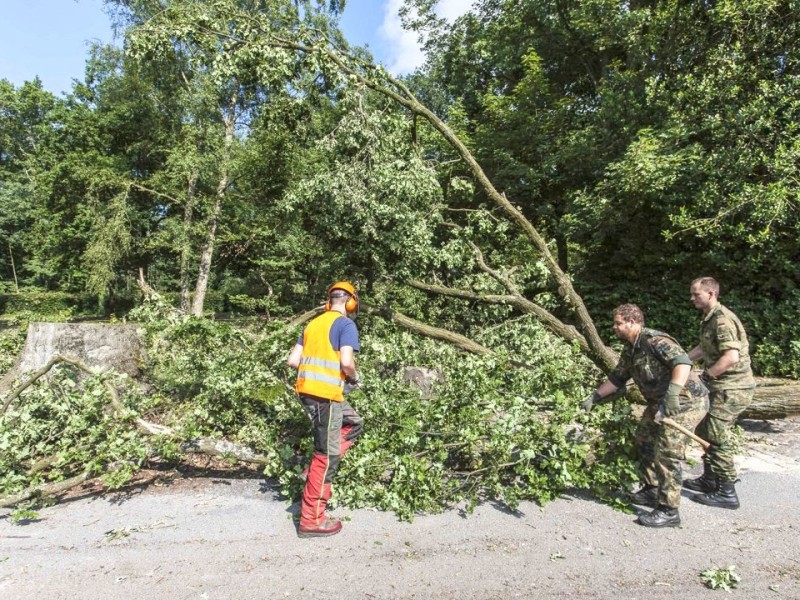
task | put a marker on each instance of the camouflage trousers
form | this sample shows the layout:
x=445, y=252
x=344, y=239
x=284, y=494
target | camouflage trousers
x=717, y=428
x=661, y=450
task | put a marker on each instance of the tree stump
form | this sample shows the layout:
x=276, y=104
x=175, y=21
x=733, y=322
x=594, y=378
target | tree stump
x=99, y=345
x=423, y=379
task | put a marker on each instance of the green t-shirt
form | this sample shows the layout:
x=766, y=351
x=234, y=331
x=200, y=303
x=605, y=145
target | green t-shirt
x=722, y=330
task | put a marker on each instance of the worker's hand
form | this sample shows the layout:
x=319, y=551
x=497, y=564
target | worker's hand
x=589, y=401
x=672, y=400
x=351, y=384
x=350, y=387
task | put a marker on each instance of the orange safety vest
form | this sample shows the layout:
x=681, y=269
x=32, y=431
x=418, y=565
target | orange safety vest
x=320, y=371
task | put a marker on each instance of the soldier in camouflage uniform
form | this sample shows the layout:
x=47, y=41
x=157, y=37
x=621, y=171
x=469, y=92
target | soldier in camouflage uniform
x=725, y=354
x=663, y=372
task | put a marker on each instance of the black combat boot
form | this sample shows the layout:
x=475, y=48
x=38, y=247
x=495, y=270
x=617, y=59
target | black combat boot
x=707, y=482
x=662, y=516
x=647, y=496
x=724, y=496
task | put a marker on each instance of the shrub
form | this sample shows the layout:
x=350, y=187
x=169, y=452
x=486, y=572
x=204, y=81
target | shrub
x=40, y=303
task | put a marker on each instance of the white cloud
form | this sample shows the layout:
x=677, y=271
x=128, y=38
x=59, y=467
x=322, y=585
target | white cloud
x=452, y=9
x=403, y=51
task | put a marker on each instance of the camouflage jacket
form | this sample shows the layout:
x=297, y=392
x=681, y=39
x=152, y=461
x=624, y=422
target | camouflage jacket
x=722, y=330
x=649, y=361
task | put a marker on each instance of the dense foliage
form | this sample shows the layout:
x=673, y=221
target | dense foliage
x=238, y=157
x=649, y=142
x=489, y=430
x=654, y=141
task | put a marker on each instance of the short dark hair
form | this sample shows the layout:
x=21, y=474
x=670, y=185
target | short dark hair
x=630, y=312
x=708, y=283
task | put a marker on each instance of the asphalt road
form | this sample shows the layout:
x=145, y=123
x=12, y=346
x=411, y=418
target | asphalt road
x=234, y=539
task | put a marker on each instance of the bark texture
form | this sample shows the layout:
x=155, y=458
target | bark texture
x=97, y=345
x=774, y=399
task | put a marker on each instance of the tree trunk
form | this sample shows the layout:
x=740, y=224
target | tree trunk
x=774, y=399
x=208, y=247
x=205, y=260
x=188, y=213
x=101, y=346
x=13, y=268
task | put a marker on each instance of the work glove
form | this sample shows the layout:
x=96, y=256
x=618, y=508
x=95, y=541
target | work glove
x=588, y=403
x=672, y=400
x=351, y=384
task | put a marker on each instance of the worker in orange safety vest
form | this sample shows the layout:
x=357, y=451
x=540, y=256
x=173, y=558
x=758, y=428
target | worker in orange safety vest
x=324, y=357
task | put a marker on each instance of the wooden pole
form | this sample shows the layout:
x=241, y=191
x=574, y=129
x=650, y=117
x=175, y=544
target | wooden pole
x=686, y=432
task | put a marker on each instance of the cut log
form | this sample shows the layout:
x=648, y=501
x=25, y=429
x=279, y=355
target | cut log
x=99, y=345
x=774, y=399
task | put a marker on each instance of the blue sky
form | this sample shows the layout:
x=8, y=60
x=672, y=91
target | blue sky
x=50, y=38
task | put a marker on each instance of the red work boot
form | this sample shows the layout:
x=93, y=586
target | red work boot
x=326, y=528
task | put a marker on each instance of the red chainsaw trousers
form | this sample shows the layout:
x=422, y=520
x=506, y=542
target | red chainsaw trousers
x=336, y=427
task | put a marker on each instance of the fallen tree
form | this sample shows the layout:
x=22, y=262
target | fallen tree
x=474, y=433
x=485, y=427
x=208, y=446
x=251, y=35
x=774, y=398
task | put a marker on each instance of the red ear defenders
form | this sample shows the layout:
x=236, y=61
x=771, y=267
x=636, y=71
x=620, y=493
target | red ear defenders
x=352, y=302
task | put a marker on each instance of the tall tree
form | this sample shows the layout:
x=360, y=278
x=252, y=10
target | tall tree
x=580, y=85
x=25, y=118
x=224, y=93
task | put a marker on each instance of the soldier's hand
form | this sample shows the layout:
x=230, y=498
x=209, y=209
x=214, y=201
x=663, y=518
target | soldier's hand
x=706, y=377
x=589, y=401
x=672, y=400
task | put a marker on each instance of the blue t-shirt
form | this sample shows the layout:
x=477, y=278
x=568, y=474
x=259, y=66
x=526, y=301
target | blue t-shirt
x=343, y=333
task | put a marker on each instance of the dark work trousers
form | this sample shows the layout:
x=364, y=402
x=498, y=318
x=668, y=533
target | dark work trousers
x=336, y=427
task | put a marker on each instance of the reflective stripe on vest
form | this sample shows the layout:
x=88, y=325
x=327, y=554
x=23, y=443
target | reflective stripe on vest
x=318, y=362
x=320, y=371
x=320, y=377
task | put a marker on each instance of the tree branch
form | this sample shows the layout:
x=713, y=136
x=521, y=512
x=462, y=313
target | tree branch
x=46, y=489
x=603, y=356
x=438, y=333
x=209, y=446
x=551, y=323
